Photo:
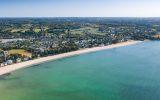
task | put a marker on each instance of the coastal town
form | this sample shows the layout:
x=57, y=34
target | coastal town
x=24, y=39
x=79, y=49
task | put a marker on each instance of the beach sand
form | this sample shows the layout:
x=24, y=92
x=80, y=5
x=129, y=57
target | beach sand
x=10, y=68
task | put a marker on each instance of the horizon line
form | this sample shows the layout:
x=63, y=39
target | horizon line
x=80, y=17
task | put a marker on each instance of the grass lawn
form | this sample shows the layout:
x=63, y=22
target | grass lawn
x=36, y=30
x=19, y=30
x=87, y=29
x=20, y=51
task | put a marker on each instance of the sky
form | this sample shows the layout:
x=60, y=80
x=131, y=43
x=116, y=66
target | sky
x=79, y=8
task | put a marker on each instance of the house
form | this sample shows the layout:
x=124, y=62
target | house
x=18, y=60
x=26, y=59
x=2, y=65
x=5, y=63
x=9, y=62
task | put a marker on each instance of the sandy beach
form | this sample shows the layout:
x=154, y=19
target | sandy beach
x=10, y=68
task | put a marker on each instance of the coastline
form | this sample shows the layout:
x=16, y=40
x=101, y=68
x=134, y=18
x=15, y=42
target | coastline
x=17, y=66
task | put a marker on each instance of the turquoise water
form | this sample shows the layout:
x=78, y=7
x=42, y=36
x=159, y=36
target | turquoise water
x=126, y=73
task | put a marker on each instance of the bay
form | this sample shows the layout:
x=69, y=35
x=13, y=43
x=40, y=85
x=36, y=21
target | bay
x=125, y=73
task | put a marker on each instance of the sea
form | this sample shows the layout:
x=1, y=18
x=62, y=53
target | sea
x=126, y=73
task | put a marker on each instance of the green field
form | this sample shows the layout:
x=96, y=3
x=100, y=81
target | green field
x=20, y=51
x=92, y=30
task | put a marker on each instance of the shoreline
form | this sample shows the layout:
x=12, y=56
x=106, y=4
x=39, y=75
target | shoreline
x=17, y=66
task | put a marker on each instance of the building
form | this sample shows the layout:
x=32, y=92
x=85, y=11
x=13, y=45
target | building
x=18, y=60
x=26, y=58
x=9, y=62
x=5, y=63
x=2, y=65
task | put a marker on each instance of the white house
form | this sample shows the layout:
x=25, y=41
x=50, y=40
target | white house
x=18, y=60
x=9, y=62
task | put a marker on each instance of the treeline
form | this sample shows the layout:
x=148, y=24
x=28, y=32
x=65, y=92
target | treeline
x=62, y=48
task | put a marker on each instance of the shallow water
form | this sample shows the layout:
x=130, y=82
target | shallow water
x=126, y=73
